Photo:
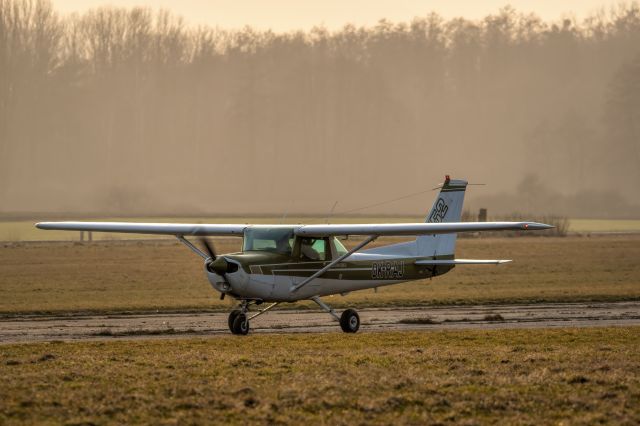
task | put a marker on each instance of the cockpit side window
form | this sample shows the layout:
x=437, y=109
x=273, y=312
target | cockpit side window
x=313, y=249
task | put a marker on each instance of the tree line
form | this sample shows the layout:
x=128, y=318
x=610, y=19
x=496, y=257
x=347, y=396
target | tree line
x=133, y=110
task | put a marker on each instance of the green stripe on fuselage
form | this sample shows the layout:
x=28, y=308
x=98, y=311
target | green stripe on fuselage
x=388, y=269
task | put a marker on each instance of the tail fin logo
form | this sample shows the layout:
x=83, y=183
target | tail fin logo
x=439, y=211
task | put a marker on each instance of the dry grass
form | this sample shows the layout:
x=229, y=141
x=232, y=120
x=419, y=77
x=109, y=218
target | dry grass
x=604, y=225
x=136, y=275
x=576, y=376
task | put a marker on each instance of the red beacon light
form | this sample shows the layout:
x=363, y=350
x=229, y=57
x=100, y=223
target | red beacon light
x=447, y=178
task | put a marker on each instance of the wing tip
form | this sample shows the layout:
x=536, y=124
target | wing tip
x=46, y=225
x=536, y=226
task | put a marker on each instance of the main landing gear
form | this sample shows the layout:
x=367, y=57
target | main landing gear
x=349, y=320
x=239, y=318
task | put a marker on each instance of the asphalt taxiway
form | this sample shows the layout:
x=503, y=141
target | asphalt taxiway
x=21, y=329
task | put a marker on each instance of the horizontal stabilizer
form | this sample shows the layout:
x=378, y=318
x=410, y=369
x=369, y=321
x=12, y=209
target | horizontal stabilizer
x=462, y=262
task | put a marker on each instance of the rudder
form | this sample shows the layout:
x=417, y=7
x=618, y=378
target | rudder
x=446, y=208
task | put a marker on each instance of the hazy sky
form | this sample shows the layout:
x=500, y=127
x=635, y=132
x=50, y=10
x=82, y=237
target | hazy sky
x=285, y=15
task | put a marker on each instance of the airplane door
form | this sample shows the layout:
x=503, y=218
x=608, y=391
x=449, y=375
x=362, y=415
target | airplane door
x=311, y=255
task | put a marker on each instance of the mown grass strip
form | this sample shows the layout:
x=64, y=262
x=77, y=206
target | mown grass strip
x=587, y=375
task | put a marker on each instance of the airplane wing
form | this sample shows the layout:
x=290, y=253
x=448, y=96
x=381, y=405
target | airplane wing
x=407, y=229
x=384, y=229
x=147, y=228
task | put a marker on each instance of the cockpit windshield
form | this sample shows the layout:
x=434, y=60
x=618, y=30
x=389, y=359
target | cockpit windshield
x=275, y=240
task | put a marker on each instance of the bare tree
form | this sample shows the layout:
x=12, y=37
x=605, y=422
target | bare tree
x=131, y=109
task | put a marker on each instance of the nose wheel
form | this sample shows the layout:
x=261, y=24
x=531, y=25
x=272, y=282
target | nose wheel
x=239, y=318
x=240, y=324
x=232, y=316
x=238, y=321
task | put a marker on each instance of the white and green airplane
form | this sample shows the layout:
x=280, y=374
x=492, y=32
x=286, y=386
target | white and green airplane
x=288, y=263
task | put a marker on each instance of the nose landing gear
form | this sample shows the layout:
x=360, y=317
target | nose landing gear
x=240, y=325
x=238, y=322
x=239, y=318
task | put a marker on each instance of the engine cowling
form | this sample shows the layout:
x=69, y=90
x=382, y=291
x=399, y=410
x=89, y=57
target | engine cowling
x=221, y=266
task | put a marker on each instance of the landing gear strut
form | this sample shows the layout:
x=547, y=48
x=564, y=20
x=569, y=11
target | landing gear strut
x=239, y=318
x=349, y=320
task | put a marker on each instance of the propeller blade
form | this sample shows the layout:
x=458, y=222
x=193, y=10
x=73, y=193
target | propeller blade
x=209, y=248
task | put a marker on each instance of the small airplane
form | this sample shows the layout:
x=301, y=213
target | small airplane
x=289, y=263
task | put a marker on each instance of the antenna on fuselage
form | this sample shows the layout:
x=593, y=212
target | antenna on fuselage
x=331, y=212
x=286, y=212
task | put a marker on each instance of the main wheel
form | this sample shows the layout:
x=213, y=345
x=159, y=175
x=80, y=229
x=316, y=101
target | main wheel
x=232, y=317
x=350, y=321
x=240, y=324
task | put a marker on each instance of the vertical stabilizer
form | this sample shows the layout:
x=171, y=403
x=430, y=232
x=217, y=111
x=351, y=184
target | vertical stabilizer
x=446, y=208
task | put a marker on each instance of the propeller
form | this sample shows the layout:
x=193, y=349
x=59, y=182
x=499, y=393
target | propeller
x=210, y=262
x=216, y=264
x=209, y=250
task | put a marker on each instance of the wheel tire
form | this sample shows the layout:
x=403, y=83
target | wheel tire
x=232, y=316
x=350, y=321
x=241, y=324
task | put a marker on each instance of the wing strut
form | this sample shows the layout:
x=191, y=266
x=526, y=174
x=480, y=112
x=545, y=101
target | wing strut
x=339, y=259
x=193, y=248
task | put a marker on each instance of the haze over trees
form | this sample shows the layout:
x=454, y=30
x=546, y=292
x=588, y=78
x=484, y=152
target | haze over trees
x=133, y=111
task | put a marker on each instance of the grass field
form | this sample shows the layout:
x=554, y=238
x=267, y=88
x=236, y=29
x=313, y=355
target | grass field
x=562, y=376
x=24, y=230
x=150, y=275
x=603, y=225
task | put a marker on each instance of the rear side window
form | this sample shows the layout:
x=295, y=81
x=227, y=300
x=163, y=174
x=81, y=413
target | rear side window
x=340, y=249
x=313, y=249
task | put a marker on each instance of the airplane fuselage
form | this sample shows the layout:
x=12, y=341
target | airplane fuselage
x=271, y=277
